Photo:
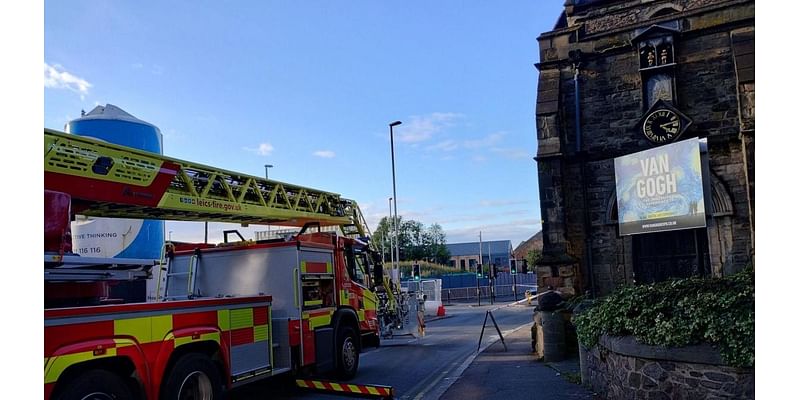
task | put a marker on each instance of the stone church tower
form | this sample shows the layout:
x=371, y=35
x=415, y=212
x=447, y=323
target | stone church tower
x=621, y=76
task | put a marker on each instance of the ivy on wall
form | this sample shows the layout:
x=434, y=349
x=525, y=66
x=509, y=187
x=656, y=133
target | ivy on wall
x=680, y=312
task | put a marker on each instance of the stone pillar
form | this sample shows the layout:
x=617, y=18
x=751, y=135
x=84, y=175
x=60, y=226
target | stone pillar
x=551, y=165
x=554, y=346
x=744, y=53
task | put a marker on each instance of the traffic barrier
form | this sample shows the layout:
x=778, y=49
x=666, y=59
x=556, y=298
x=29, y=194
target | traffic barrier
x=358, y=390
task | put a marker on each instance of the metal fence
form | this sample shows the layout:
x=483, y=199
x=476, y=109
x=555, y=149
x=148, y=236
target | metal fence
x=469, y=280
x=471, y=293
x=431, y=288
x=437, y=290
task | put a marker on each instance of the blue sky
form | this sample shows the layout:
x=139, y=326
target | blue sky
x=311, y=86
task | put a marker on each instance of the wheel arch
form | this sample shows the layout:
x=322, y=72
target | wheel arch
x=346, y=316
x=120, y=365
x=120, y=355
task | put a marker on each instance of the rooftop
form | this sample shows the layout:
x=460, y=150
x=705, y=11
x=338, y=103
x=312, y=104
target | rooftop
x=472, y=248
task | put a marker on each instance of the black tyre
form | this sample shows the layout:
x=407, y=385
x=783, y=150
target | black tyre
x=96, y=384
x=194, y=377
x=346, y=353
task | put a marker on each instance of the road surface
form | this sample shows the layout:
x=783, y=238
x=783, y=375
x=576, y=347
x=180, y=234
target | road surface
x=417, y=369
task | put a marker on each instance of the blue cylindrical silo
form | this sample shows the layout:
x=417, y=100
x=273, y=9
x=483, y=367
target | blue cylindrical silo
x=116, y=237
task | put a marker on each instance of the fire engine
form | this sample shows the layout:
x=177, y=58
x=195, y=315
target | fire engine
x=225, y=315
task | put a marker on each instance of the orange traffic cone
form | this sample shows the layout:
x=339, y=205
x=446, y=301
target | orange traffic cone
x=440, y=311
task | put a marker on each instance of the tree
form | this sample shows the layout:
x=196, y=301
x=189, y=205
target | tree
x=416, y=242
x=436, y=242
x=382, y=235
x=533, y=257
x=411, y=240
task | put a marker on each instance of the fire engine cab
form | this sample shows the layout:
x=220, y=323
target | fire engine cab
x=225, y=315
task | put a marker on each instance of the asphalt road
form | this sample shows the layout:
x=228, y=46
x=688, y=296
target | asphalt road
x=417, y=369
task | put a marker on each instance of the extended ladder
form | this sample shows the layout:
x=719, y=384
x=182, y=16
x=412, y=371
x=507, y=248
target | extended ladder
x=110, y=180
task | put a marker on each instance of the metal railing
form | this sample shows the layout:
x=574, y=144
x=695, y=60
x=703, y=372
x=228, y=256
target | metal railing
x=431, y=288
x=471, y=293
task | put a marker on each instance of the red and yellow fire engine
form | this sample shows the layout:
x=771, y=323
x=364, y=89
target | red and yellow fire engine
x=225, y=315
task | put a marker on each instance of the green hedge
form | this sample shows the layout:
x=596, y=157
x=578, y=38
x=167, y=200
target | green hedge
x=427, y=269
x=676, y=313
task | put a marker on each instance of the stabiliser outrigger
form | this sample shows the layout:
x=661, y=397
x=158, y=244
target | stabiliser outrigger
x=226, y=315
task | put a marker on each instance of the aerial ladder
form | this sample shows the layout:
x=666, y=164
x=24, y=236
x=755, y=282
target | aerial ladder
x=109, y=180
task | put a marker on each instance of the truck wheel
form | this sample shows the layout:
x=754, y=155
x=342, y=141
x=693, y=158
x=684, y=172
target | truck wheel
x=194, y=377
x=346, y=353
x=97, y=384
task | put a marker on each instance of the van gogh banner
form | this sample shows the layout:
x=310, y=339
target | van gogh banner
x=660, y=189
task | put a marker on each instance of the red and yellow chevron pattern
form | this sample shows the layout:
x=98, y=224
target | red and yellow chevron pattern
x=379, y=391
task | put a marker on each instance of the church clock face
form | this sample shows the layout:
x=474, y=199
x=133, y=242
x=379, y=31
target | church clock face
x=662, y=126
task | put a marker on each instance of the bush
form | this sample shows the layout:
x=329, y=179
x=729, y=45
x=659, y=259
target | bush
x=427, y=269
x=681, y=312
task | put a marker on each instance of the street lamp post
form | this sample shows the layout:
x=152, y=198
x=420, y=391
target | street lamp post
x=266, y=175
x=266, y=170
x=480, y=255
x=390, y=233
x=394, y=195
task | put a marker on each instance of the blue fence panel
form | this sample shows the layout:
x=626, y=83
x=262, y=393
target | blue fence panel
x=455, y=281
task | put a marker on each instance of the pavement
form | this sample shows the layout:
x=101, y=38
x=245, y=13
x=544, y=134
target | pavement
x=517, y=373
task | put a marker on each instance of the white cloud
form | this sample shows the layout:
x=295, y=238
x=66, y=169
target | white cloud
x=325, y=153
x=137, y=65
x=447, y=145
x=487, y=141
x=512, y=153
x=423, y=128
x=450, y=145
x=263, y=149
x=55, y=77
x=501, y=202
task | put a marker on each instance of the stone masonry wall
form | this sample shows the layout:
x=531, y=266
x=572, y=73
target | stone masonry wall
x=727, y=164
x=618, y=376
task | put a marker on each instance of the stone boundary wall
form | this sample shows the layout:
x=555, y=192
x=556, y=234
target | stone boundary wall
x=622, y=368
